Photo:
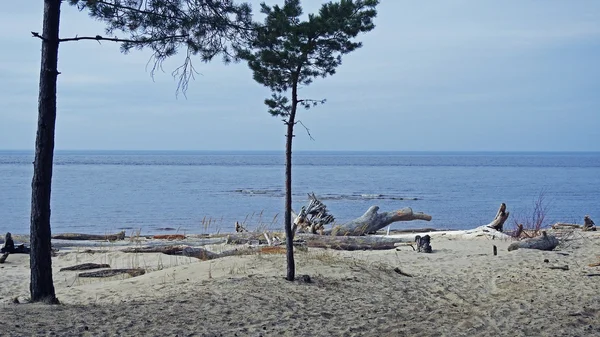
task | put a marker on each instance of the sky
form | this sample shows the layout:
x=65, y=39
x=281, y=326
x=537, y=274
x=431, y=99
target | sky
x=460, y=75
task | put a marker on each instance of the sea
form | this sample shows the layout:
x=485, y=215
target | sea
x=150, y=192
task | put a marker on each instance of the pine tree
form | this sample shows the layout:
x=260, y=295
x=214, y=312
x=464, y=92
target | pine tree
x=286, y=52
x=203, y=28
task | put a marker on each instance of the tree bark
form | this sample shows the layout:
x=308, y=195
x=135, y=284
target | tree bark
x=371, y=221
x=289, y=235
x=42, y=286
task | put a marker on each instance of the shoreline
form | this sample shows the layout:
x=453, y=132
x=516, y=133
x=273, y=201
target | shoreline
x=461, y=288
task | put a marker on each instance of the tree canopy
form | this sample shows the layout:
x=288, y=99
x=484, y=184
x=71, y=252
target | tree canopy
x=286, y=52
x=203, y=28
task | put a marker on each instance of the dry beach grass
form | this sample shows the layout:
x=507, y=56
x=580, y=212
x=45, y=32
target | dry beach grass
x=461, y=289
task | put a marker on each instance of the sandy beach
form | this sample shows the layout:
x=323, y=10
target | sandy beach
x=461, y=289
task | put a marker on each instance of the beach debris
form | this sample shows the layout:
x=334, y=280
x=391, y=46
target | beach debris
x=372, y=221
x=305, y=278
x=90, y=237
x=495, y=249
x=588, y=224
x=10, y=248
x=85, y=266
x=562, y=225
x=350, y=243
x=169, y=250
x=543, y=242
x=3, y=257
x=423, y=244
x=313, y=217
x=114, y=272
x=500, y=218
x=397, y=270
x=239, y=228
x=169, y=236
x=565, y=267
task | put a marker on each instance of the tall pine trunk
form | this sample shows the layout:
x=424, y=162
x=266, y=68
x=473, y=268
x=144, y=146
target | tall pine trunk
x=289, y=236
x=42, y=286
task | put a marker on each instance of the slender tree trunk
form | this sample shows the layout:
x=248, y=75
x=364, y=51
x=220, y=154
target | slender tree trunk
x=289, y=236
x=42, y=286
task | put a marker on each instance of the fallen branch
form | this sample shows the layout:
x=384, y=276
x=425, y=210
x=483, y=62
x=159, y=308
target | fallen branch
x=85, y=266
x=90, y=237
x=114, y=272
x=565, y=267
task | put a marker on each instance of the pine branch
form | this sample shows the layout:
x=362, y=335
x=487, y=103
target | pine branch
x=116, y=39
x=113, y=39
x=307, y=130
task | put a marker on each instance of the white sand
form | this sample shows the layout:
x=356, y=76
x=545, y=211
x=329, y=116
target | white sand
x=460, y=289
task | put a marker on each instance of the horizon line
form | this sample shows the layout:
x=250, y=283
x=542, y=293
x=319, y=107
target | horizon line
x=311, y=151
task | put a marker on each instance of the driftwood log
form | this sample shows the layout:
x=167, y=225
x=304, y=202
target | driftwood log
x=169, y=250
x=500, y=219
x=85, y=266
x=3, y=257
x=90, y=237
x=372, y=221
x=197, y=252
x=349, y=242
x=543, y=242
x=114, y=272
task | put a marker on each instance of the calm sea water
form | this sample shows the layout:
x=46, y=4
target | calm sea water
x=199, y=192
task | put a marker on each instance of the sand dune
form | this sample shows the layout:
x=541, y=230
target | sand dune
x=460, y=289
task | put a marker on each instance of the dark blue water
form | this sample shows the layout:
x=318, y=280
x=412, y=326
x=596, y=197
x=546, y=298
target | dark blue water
x=198, y=192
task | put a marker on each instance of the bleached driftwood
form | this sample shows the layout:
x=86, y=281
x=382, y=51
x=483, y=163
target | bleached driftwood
x=562, y=225
x=169, y=250
x=90, y=237
x=371, y=221
x=349, y=242
x=543, y=242
x=500, y=219
x=312, y=217
x=196, y=252
x=203, y=254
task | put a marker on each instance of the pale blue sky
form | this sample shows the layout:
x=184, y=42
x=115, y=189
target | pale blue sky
x=434, y=75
